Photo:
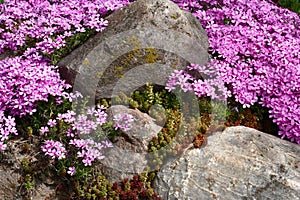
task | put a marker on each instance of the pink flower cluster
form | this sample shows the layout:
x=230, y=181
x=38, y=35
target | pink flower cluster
x=212, y=86
x=50, y=21
x=34, y=28
x=25, y=81
x=7, y=127
x=123, y=121
x=54, y=149
x=81, y=125
x=255, y=49
x=44, y=26
x=90, y=150
x=86, y=123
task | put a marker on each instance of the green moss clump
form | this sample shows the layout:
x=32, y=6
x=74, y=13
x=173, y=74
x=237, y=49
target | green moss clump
x=151, y=55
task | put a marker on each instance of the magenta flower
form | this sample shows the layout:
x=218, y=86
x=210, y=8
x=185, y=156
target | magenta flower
x=29, y=78
x=54, y=149
x=90, y=150
x=68, y=117
x=25, y=81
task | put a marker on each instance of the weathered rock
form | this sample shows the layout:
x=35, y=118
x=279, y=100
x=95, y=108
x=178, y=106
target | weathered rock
x=8, y=184
x=127, y=157
x=144, y=42
x=12, y=177
x=43, y=191
x=143, y=128
x=239, y=163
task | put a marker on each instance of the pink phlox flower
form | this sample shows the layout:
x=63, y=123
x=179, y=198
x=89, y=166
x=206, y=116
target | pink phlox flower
x=2, y=146
x=52, y=123
x=123, y=121
x=70, y=133
x=107, y=144
x=71, y=171
x=101, y=116
x=54, y=149
x=68, y=117
x=44, y=129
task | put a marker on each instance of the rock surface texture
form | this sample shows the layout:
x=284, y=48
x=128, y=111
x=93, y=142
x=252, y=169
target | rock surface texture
x=144, y=42
x=238, y=163
x=12, y=173
x=127, y=157
x=8, y=184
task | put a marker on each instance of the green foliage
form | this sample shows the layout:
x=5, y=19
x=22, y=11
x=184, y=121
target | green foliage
x=293, y=5
x=28, y=184
x=139, y=187
x=178, y=131
x=71, y=43
x=144, y=98
x=30, y=124
x=28, y=173
x=256, y=117
x=27, y=165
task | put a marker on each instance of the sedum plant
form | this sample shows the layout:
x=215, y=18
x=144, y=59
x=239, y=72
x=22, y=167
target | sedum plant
x=138, y=188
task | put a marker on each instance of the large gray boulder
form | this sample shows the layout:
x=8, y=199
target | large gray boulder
x=144, y=42
x=239, y=163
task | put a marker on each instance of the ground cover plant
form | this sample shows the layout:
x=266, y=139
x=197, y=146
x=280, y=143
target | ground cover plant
x=254, y=47
x=255, y=52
